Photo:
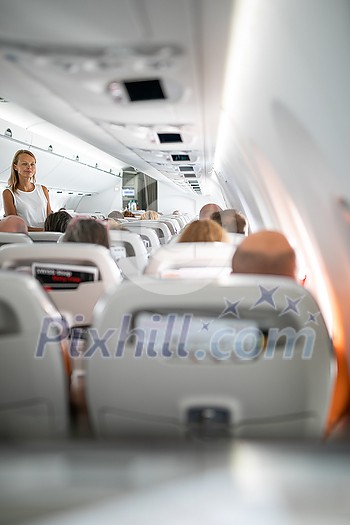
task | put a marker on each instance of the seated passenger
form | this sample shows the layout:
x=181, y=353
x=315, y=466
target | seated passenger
x=150, y=215
x=203, y=231
x=13, y=224
x=207, y=210
x=176, y=212
x=242, y=223
x=128, y=213
x=112, y=224
x=269, y=252
x=86, y=230
x=57, y=222
x=231, y=220
x=115, y=215
x=265, y=252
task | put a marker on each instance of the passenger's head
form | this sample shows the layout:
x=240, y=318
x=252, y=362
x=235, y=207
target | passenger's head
x=242, y=223
x=13, y=224
x=128, y=213
x=176, y=212
x=57, y=222
x=231, y=220
x=112, y=224
x=115, y=215
x=150, y=215
x=86, y=230
x=203, y=231
x=206, y=211
x=21, y=160
x=265, y=252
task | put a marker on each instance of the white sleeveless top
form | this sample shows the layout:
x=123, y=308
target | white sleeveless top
x=31, y=206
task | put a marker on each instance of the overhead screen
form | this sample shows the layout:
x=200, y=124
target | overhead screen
x=169, y=137
x=179, y=158
x=144, y=90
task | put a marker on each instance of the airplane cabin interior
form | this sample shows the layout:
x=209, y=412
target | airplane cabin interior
x=144, y=382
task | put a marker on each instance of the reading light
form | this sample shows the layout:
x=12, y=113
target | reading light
x=116, y=91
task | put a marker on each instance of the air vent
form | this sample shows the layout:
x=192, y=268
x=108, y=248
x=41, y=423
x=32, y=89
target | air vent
x=189, y=176
x=144, y=90
x=180, y=157
x=165, y=138
x=186, y=168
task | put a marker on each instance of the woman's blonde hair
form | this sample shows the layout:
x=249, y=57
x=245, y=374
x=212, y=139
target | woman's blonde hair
x=13, y=181
x=204, y=230
x=150, y=215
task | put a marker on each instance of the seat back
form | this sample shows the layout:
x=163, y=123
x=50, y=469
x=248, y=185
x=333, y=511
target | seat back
x=129, y=252
x=172, y=224
x=160, y=228
x=149, y=237
x=33, y=381
x=45, y=236
x=195, y=259
x=18, y=238
x=74, y=275
x=244, y=356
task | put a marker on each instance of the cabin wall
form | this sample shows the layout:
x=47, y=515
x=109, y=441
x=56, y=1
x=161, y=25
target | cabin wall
x=285, y=134
x=169, y=200
x=104, y=202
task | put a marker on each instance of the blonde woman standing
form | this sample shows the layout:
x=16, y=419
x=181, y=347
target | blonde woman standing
x=24, y=197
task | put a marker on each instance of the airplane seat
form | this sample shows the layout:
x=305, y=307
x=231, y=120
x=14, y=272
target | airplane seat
x=10, y=238
x=129, y=252
x=34, y=383
x=235, y=238
x=45, y=236
x=148, y=236
x=244, y=356
x=177, y=220
x=74, y=275
x=180, y=219
x=172, y=224
x=191, y=259
x=161, y=229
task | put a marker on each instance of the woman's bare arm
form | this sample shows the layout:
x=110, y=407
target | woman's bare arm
x=9, y=204
x=46, y=193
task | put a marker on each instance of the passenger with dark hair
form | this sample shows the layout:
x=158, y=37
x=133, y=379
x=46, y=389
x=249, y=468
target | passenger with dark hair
x=128, y=213
x=57, y=222
x=86, y=230
x=23, y=196
x=242, y=223
x=231, y=220
x=207, y=210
